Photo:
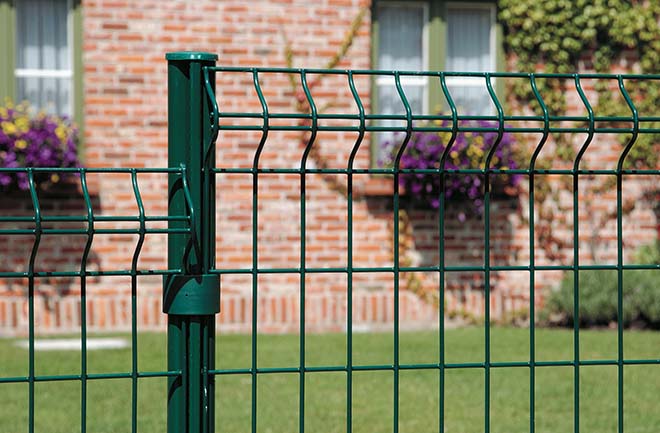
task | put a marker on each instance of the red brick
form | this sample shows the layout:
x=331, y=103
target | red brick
x=126, y=126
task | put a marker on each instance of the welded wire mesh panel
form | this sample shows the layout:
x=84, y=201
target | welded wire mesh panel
x=303, y=168
x=67, y=242
x=334, y=216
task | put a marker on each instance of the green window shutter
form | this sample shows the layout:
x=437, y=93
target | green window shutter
x=7, y=48
x=373, y=151
x=500, y=59
x=78, y=83
x=437, y=44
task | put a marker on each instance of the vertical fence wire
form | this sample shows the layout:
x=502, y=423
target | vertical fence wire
x=397, y=246
x=487, y=267
x=619, y=252
x=532, y=254
x=255, y=243
x=83, y=301
x=441, y=249
x=303, y=245
x=31, y=277
x=349, y=255
x=134, y=311
x=576, y=255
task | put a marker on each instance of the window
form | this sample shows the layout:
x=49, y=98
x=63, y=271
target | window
x=41, y=42
x=434, y=35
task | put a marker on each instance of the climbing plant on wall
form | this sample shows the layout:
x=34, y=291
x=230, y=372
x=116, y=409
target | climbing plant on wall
x=556, y=36
x=560, y=36
x=566, y=36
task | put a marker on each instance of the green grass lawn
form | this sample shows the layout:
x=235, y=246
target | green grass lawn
x=109, y=401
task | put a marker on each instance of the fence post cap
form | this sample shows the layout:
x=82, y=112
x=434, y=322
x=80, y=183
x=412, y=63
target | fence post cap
x=191, y=55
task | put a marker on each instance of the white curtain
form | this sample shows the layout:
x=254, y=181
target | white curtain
x=468, y=39
x=400, y=32
x=469, y=49
x=43, y=55
x=400, y=47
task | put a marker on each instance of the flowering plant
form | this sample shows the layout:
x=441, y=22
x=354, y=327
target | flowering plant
x=468, y=151
x=28, y=140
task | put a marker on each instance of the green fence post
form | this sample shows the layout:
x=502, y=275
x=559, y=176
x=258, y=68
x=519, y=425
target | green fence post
x=191, y=298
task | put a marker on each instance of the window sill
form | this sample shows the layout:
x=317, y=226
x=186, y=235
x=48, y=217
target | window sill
x=70, y=186
x=380, y=186
x=376, y=186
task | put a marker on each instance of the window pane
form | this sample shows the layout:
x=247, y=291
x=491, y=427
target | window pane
x=53, y=95
x=400, y=47
x=468, y=39
x=43, y=55
x=389, y=102
x=469, y=49
x=41, y=34
x=473, y=100
x=400, y=37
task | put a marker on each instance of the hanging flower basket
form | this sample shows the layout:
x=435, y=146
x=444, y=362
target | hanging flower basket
x=34, y=140
x=469, y=151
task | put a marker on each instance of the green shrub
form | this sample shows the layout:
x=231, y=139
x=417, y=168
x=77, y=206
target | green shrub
x=647, y=284
x=648, y=254
x=598, y=296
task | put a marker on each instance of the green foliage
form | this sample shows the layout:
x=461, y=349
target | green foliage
x=557, y=35
x=649, y=254
x=598, y=295
x=58, y=409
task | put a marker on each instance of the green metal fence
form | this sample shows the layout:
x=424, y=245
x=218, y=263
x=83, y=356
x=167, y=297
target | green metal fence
x=266, y=122
x=191, y=295
x=40, y=225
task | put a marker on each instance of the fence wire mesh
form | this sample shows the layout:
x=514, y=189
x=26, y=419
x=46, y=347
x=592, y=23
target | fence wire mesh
x=295, y=128
x=91, y=224
x=538, y=125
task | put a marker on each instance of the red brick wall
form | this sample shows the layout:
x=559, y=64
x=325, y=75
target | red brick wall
x=125, y=126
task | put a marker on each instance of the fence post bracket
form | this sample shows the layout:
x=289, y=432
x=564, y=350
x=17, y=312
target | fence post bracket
x=191, y=295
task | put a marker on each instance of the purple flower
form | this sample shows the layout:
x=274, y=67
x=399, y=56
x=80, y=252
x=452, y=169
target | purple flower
x=28, y=140
x=469, y=151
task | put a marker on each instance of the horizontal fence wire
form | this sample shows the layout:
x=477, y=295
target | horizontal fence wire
x=362, y=122
x=39, y=224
